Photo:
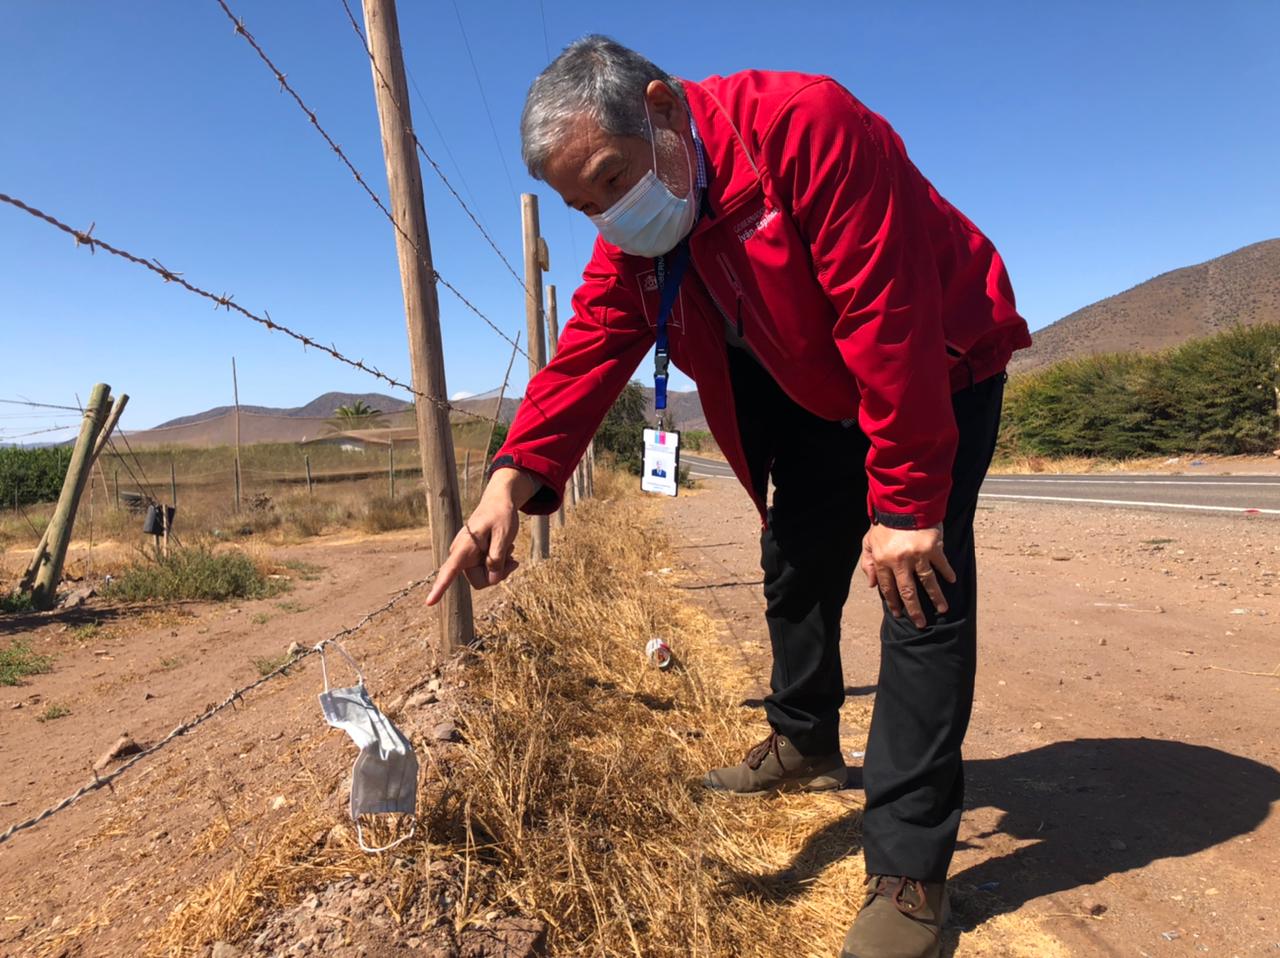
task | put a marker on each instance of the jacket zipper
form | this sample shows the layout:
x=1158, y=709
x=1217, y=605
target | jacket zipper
x=737, y=291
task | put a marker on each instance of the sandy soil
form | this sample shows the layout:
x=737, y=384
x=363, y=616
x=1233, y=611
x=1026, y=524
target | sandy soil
x=180, y=813
x=1122, y=760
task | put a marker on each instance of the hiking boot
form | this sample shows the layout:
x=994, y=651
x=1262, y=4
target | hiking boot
x=776, y=765
x=900, y=918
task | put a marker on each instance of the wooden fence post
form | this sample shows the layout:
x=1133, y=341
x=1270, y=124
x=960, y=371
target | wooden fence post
x=49, y=572
x=307, y=461
x=99, y=444
x=539, y=526
x=235, y=393
x=466, y=475
x=553, y=344
x=422, y=309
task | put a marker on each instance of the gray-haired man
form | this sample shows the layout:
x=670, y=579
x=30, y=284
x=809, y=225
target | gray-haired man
x=848, y=330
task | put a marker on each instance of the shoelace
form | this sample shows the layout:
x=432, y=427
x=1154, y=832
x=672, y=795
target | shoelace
x=892, y=887
x=755, y=758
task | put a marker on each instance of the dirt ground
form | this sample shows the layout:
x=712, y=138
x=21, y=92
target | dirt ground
x=1121, y=760
x=179, y=814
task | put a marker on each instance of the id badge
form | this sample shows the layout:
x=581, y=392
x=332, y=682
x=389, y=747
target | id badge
x=661, y=470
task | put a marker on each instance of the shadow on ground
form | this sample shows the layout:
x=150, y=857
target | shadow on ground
x=1091, y=808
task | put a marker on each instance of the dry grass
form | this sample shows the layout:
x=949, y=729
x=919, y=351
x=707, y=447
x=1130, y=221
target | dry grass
x=575, y=798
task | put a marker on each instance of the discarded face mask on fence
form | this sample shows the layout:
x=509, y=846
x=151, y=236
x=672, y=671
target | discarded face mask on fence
x=384, y=779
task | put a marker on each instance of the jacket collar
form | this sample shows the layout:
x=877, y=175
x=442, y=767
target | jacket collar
x=732, y=172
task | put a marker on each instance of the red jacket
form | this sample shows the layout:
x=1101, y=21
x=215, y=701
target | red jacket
x=861, y=290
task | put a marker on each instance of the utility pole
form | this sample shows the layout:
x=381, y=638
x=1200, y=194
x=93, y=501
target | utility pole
x=235, y=392
x=422, y=309
x=534, y=260
x=49, y=572
x=497, y=408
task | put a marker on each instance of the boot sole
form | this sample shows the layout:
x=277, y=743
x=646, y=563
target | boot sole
x=824, y=782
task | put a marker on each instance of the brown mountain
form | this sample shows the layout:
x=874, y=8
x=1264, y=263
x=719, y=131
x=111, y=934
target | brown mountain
x=217, y=427
x=1238, y=289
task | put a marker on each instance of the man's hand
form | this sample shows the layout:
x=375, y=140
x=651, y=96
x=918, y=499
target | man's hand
x=481, y=550
x=896, y=559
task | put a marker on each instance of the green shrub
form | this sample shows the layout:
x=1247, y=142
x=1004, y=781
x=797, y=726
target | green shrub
x=53, y=711
x=196, y=573
x=15, y=602
x=384, y=513
x=35, y=473
x=620, y=433
x=18, y=661
x=1211, y=395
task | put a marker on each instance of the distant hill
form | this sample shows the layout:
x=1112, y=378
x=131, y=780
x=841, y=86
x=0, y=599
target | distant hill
x=322, y=407
x=1239, y=289
x=217, y=427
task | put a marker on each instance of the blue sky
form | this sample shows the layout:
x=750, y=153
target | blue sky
x=1098, y=144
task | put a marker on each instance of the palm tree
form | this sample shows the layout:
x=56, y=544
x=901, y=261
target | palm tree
x=357, y=415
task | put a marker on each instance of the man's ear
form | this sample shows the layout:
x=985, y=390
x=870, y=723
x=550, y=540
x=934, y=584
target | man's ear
x=665, y=108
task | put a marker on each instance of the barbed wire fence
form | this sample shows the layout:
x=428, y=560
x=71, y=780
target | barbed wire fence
x=242, y=31
x=236, y=695
x=86, y=237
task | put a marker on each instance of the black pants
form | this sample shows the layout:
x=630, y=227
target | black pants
x=809, y=551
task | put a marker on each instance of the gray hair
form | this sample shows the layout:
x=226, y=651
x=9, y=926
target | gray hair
x=596, y=76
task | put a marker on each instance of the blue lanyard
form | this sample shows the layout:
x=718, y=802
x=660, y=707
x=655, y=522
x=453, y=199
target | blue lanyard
x=669, y=283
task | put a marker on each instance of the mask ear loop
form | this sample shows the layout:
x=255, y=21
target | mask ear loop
x=324, y=666
x=653, y=140
x=382, y=848
x=653, y=148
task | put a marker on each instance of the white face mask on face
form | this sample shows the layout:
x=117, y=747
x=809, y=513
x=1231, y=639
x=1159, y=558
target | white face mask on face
x=649, y=220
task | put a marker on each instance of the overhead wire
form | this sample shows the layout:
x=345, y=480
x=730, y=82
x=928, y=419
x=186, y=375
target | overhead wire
x=405, y=116
x=242, y=31
x=497, y=141
x=225, y=300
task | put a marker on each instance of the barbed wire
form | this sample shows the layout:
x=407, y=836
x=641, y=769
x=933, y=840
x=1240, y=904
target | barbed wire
x=41, y=405
x=242, y=30
x=39, y=432
x=226, y=301
x=404, y=115
x=100, y=781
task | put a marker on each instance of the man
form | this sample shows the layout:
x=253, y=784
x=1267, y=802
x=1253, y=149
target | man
x=848, y=330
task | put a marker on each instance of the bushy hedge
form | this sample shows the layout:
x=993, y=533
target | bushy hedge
x=36, y=473
x=1211, y=395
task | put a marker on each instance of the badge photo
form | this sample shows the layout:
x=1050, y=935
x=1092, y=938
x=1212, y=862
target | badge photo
x=660, y=472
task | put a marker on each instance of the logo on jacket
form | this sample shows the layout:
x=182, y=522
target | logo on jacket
x=754, y=223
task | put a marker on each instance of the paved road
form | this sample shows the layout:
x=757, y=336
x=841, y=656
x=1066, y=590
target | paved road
x=1230, y=494
x=1260, y=494
x=700, y=468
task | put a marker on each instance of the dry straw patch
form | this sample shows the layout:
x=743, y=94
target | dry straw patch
x=574, y=797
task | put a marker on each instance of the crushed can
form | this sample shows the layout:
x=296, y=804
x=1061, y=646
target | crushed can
x=658, y=653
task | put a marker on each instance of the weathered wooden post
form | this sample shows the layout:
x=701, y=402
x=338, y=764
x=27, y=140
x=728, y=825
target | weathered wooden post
x=99, y=444
x=391, y=467
x=307, y=461
x=553, y=346
x=49, y=572
x=422, y=309
x=173, y=484
x=534, y=250
x=235, y=393
x=466, y=475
